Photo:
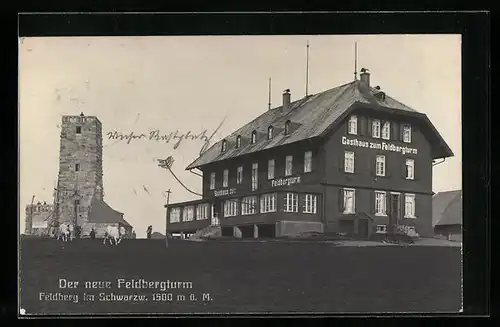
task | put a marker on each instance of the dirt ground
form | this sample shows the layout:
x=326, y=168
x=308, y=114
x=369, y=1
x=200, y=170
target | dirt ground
x=238, y=277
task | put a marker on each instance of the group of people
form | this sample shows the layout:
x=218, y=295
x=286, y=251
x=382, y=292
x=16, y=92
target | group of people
x=77, y=232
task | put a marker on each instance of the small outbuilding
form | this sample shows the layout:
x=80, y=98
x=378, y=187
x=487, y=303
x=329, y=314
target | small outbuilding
x=447, y=215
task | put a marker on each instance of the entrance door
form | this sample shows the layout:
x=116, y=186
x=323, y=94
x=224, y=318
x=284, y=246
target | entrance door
x=363, y=227
x=394, y=210
x=214, y=221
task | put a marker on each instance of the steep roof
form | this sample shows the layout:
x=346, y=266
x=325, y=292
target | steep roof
x=310, y=117
x=101, y=212
x=157, y=235
x=447, y=208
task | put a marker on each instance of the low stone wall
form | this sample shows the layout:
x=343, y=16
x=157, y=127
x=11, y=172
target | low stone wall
x=295, y=228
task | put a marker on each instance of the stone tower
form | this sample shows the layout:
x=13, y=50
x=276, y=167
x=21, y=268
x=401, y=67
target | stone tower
x=80, y=168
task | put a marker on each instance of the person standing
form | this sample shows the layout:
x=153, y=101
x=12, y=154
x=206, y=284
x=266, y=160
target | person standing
x=92, y=233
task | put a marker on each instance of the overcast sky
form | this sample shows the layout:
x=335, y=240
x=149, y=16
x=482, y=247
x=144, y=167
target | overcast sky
x=191, y=83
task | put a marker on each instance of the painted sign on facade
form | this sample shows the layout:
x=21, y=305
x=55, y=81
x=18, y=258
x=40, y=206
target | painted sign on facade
x=285, y=181
x=378, y=146
x=225, y=191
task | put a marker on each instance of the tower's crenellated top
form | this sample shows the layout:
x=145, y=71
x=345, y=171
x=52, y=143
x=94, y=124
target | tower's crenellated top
x=39, y=207
x=79, y=119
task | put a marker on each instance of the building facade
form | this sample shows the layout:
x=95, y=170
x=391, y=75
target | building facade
x=348, y=160
x=37, y=219
x=447, y=215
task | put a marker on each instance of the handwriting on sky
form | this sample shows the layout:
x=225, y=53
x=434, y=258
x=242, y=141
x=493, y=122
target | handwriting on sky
x=156, y=135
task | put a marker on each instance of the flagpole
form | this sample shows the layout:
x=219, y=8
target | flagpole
x=166, y=218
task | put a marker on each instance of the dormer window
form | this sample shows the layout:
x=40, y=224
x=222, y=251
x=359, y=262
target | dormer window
x=287, y=127
x=269, y=132
x=254, y=137
x=238, y=141
x=224, y=146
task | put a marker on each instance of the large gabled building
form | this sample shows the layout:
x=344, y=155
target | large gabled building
x=350, y=160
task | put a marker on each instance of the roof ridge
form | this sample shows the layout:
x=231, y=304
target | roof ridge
x=315, y=113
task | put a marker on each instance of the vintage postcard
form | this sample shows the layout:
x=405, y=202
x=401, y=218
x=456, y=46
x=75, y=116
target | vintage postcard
x=240, y=174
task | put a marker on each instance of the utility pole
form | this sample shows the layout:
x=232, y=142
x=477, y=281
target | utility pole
x=31, y=213
x=166, y=217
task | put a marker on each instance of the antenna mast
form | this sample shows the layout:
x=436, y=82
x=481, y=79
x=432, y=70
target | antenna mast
x=307, y=68
x=269, y=102
x=355, y=61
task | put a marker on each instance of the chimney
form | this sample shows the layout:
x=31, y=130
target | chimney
x=286, y=99
x=365, y=77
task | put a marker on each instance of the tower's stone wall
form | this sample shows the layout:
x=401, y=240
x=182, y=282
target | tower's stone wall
x=80, y=168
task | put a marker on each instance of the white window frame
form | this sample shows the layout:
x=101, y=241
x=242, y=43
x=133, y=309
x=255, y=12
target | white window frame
x=310, y=205
x=380, y=165
x=202, y=211
x=410, y=206
x=239, y=175
x=224, y=146
x=349, y=158
x=254, y=137
x=346, y=209
x=212, y=181
x=270, y=132
x=238, y=141
x=225, y=178
x=288, y=165
x=175, y=215
x=231, y=208
x=386, y=130
x=352, y=125
x=291, y=202
x=270, y=169
x=376, y=128
x=255, y=176
x=381, y=229
x=268, y=202
x=249, y=205
x=410, y=169
x=380, y=203
x=307, y=161
x=407, y=133
x=188, y=214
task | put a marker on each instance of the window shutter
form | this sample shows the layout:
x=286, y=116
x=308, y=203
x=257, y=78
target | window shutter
x=394, y=131
x=403, y=205
x=372, y=202
x=341, y=163
x=368, y=126
x=284, y=202
x=401, y=131
x=387, y=203
x=347, y=125
x=373, y=166
x=414, y=170
x=403, y=169
x=416, y=205
x=361, y=126
x=386, y=167
x=341, y=199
